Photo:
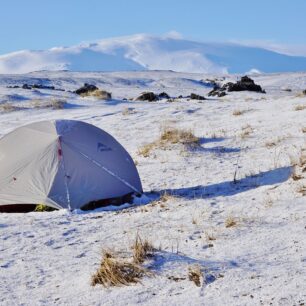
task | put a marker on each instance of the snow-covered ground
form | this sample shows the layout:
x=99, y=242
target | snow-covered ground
x=48, y=258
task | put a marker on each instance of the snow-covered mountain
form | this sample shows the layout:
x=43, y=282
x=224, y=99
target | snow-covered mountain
x=146, y=52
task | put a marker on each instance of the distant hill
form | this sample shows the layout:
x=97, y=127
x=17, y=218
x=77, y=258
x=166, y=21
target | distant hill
x=146, y=52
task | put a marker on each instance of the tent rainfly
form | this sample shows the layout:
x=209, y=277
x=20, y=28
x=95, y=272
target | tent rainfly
x=64, y=164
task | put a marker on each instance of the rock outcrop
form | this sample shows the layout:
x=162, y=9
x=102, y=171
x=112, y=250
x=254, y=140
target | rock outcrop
x=245, y=84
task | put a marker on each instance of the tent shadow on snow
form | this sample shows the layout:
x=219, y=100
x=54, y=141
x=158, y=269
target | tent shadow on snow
x=230, y=188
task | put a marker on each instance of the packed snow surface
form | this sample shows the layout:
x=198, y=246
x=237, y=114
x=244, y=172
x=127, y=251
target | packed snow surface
x=147, y=52
x=241, y=172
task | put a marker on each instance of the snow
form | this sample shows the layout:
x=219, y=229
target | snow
x=48, y=258
x=147, y=52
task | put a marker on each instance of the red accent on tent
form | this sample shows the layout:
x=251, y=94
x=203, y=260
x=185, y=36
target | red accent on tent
x=59, y=149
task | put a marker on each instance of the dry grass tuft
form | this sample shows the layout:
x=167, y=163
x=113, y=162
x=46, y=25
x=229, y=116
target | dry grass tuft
x=301, y=94
x=173, y=135
x=273, y=143
x=8, y=107
x=302, y=190
x=164, y=198
x=302, y=160
x=239, y=112
x=142, y=249
x=270, y=144
x=210, y=236
x=170, y=136
x=194, y=220
x=98, y=93
x=128, y=111
x=295, y=175
x=51, y=103
x=146, y=149
x=117, y=272
x=195, y=274
x=246, y=131
x=298, y=166
x=57, y=104
x=300, y=107
x=230, y=221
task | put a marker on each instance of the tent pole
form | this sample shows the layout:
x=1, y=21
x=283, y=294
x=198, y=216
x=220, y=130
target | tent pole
x=109, y=172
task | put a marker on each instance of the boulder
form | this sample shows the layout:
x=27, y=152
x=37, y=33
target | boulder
x=221, y=94
x=163, y=95
x=194, y=96
x=245, y=84
x=87, y=88
x=36, y=86
x=26, y=86
x=147, y=96
x=39, y=86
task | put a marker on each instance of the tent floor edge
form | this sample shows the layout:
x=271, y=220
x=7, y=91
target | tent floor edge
x=127, y=198
x=17, y=208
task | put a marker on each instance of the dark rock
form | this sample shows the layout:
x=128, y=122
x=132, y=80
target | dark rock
x=15, y=86
x=163, y=95
x=26, y=86
x=39, y=86
x=147, y=96
x=36, y=86
x=304, y=92
x=194, y=96
x=218, y=91
x=244, y=84
x=86, y=89
x=180, y=97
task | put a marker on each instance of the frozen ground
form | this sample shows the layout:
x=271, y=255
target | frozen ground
x=48, y=258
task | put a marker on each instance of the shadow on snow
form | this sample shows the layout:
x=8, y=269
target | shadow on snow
x=230, y=188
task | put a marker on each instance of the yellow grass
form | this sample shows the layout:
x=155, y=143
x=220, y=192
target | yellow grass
x=117, y=272
x=230, y=221
x=98, y=93
x=195, y=274
x=142, y=249
x=171, y=136
x=8, y=107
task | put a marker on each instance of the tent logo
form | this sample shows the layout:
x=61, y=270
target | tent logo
x=102, y=147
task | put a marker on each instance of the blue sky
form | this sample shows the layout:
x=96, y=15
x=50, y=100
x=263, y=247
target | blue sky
x=38, y=24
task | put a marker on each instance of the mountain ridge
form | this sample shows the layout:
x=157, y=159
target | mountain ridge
x=146, y=52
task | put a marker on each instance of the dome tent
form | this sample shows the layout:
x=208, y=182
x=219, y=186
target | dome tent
x=64, y=164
